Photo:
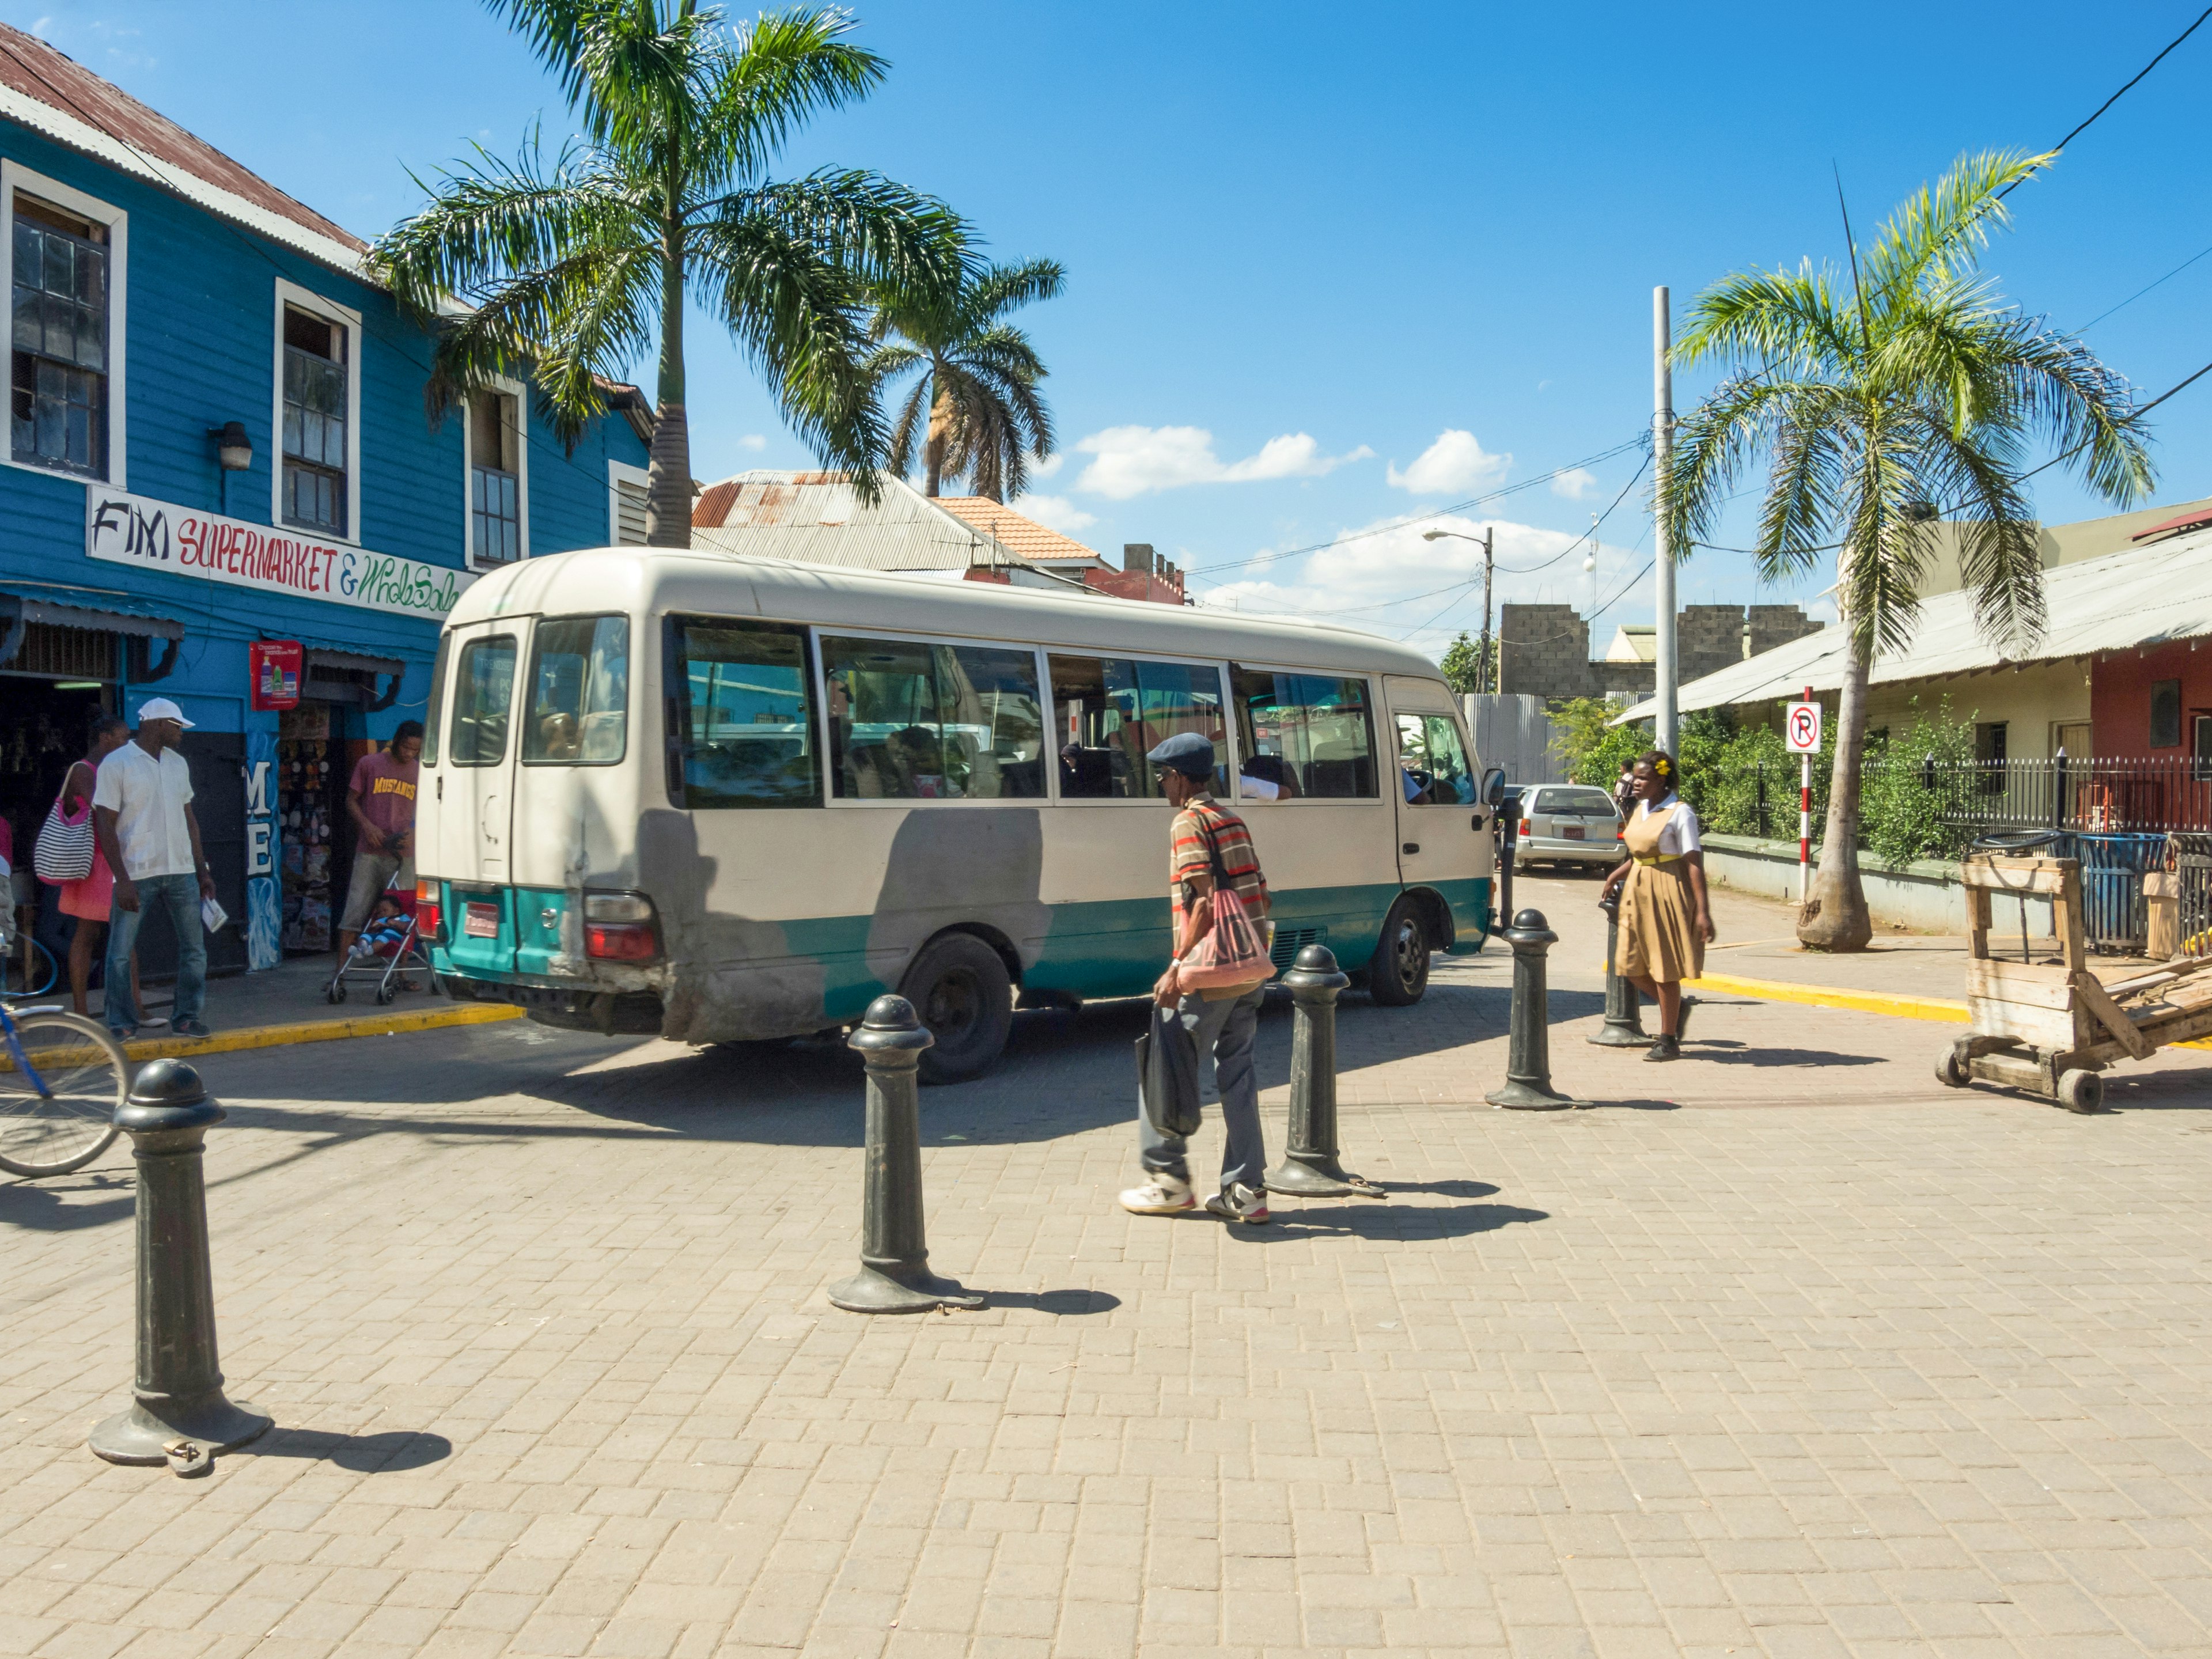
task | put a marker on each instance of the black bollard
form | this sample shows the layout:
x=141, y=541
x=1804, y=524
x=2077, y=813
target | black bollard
x=179, y=1415
x=1624, y=1010
x=1310, y=1167
x=893, y=1276
x=1528, y=1058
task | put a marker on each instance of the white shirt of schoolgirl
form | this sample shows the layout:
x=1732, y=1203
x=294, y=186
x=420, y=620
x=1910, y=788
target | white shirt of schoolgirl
x=1680, y=833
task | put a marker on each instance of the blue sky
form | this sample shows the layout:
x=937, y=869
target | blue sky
x=1330, y=267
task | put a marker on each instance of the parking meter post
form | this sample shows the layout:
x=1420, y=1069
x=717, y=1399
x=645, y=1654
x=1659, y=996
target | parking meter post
x=1624, y=1014
x=1528, y=1054
x=179, y=1413
x=893, y=1276
x=1310, y=1166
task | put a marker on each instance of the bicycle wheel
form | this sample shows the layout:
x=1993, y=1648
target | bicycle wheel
x=70, y=1120
x=32, y=979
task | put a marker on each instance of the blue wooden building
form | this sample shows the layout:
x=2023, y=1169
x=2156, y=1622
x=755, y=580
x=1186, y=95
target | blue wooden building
x=218, y=437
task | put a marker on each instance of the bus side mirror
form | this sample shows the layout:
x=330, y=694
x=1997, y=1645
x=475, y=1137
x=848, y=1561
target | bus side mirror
x=1493, y=786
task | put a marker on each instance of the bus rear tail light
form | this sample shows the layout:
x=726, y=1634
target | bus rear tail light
x=430, y=914
x=619, y=927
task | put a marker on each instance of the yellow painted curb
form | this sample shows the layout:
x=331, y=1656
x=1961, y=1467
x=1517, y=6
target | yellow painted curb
x=1827, y=996
x=322, y=1030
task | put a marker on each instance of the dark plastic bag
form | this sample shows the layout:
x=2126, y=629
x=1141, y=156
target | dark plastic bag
x=1167, y=1075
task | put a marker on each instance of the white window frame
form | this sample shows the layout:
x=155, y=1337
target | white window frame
x=619, y=474
x=15, y=176
x=1376, y=708
x=304, y=299
x=512, y=388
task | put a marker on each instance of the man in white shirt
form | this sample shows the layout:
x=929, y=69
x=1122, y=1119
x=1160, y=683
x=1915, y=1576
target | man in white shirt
x=142, y=814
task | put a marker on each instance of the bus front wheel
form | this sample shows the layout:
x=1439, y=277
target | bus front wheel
x=962, y=993
x=1398, y=973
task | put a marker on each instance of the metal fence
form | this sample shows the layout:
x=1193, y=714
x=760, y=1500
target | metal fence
x=2089, y=796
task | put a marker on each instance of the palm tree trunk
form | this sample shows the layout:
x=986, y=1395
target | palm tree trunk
x=668, y=492
x=1835, y=917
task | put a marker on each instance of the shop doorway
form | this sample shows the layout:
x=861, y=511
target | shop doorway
x=314, y=763
x=46, y=724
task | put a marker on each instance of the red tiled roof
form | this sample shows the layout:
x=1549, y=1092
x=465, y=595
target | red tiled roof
x=30, y=67
x=1015, y=531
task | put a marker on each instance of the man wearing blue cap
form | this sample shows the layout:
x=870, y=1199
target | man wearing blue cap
x=1206, y=838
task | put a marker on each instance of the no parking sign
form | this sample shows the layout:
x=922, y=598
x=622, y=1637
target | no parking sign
x=1801, y=729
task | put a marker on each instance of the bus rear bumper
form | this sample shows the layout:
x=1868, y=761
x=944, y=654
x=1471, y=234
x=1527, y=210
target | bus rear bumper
x=609, y=1013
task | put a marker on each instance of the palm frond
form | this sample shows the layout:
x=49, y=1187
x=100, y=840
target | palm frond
x=1940, y=234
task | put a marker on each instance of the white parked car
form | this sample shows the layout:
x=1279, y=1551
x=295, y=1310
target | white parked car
x=1568, y=823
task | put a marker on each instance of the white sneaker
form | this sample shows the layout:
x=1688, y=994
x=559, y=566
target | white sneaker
x=1161, y=1195
x=1237, y=1202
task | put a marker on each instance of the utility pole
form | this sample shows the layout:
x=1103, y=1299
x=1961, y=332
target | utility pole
x=1663, y=447
x=1489, y=677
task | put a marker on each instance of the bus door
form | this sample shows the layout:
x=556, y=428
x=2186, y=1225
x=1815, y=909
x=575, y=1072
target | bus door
x=475, y=795
x=1444, y=834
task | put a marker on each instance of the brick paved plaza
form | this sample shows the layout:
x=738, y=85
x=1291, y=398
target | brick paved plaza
x=1781, y=1349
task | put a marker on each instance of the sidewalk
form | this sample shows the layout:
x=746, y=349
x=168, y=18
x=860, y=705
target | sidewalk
x=286, y=1005
x=1781, y=1349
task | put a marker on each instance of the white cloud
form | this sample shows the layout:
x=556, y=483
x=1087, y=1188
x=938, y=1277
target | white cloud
x=752, y=440
x=1050, y=464
x=1575, y=484
x=1391, y=582
x=1056, y=512
x=1454, y=463
x=1135, y=461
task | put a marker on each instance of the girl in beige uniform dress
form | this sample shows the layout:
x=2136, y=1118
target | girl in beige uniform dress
x=1666, y=921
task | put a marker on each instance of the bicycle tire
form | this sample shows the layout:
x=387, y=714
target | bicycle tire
x=88, y=1078
x=13, y=983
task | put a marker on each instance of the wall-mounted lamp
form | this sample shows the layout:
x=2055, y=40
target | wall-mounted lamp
x=232, y=446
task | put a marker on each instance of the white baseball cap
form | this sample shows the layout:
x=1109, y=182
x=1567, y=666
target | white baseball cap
x=162, y=709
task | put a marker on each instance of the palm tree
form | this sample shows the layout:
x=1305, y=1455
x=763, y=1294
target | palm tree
x=579, y=268
x=978, y=379
x=1914, y=391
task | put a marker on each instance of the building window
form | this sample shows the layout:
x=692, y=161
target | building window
x=58, y=282
x=2202, y=748
x=494, y=478
x=316, y=406
x=626, y=495
x=2166, y=714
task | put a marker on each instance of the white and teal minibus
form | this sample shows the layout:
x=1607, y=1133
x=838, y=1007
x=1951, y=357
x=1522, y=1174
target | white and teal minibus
x=725, y=800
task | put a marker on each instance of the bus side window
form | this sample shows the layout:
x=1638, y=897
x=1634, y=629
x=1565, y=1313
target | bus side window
x=1312, y=730
x=579, y=692
x=1110, y=712
x=434, y=721
x=741, y=713
x=910, y=720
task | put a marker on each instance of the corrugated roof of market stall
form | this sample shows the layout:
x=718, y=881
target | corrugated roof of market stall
x=2142, y=597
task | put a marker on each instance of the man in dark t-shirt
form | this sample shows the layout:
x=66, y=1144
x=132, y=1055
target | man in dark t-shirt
x=380, y=800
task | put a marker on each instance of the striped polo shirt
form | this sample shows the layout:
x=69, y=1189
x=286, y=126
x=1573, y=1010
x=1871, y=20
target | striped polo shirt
x=1187, y=855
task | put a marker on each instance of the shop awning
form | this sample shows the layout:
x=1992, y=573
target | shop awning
x=106, y=610
x=319, y=656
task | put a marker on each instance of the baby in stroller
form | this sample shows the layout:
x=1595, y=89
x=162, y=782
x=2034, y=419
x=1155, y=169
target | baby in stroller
x=388, y=947
x=385, y=930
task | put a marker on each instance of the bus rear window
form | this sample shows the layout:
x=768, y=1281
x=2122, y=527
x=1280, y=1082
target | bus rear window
x=740, y=718
x=483, y=696
x=434, y=726
x=579, y=692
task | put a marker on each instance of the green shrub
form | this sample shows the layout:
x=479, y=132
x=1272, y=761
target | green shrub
x=1900, y=816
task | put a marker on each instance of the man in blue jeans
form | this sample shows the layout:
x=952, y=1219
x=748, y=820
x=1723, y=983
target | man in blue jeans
x=142, y=814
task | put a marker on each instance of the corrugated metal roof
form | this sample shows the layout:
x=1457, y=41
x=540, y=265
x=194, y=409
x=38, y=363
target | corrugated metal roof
x=817, y=518
x=2144, y=596
x=48, y=91
x=102, y=608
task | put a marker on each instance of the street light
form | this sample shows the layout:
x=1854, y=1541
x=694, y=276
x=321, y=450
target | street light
x=1483, y=675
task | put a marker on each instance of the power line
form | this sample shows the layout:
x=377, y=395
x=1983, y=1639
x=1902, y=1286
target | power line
x=2144, y=289
x=2121, y=94
x=1638, y=442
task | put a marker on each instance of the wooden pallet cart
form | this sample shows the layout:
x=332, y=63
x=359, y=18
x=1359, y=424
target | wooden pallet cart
x=2042, y=1021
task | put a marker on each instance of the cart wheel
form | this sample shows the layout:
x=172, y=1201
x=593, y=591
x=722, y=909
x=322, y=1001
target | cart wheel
x=2081, y=1092
x=337, y=993
x=1950, y=1072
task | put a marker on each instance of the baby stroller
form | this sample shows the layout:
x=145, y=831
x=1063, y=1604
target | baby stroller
x=389, y=948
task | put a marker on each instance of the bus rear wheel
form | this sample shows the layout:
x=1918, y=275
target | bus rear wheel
x=964, y=996
x=1398, y=972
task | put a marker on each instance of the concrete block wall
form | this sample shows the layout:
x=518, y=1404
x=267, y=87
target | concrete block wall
x=1544, y=649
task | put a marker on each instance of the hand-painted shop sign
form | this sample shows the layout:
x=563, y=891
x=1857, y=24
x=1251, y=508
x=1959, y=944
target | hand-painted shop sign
x=153, y=535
